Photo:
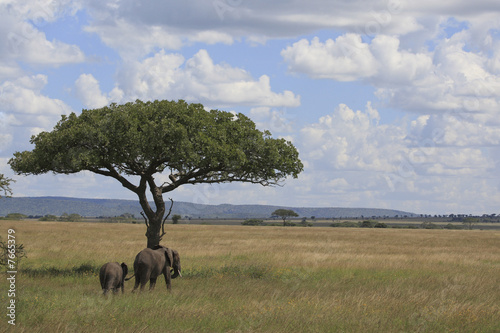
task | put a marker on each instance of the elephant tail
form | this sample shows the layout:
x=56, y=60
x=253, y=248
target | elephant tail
x=129, y=277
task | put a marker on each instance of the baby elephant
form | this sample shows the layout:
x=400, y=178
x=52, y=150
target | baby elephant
x=112, y=275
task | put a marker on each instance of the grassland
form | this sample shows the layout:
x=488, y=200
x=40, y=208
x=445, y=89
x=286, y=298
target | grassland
x=260, y=279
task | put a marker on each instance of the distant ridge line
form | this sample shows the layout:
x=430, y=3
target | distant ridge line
x=55, y=205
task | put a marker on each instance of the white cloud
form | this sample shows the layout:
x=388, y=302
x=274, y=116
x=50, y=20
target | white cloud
x=134, y=40
x=211, y=37
x=448, y=78
x=355, y=160
x=345, y=59
x=174, y=23
x=352, y=140
x=348, y=58
x=170, y=76
x=25, y=111
x=88, y=91
x=272, y=119
x=23, y=41
x=23, y=96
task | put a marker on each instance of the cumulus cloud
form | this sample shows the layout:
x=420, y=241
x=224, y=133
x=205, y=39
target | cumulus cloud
x=23, y=41
x=25, y=110
x=354, y=159
x=23, y=96
x=171, y=76
x=133, y=40
x=450, y=77
x=345, y=59
x=275, y=120
x=353, y=140
x=348, y=58
x=89, y=92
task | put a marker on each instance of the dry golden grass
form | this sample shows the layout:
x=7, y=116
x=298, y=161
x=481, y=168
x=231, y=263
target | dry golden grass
x=271, y=279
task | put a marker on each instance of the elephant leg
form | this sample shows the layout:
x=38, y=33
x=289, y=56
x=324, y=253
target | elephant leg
x=137, y=280
x=144, y=280
x=152, y=283
x=168, y=281
x=109, y=286
x=141, y=278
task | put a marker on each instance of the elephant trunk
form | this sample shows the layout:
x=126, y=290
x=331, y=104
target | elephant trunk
x=177, y=272
x=176, y=264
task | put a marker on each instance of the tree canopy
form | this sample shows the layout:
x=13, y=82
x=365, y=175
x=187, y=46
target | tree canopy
x=284, y=214
x=134, y=141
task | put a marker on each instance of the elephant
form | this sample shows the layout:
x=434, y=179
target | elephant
x=112, y=276
x=150, y=263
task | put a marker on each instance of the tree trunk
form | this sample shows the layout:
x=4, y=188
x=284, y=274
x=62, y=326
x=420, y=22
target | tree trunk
x=153, y=219
x=153, y=231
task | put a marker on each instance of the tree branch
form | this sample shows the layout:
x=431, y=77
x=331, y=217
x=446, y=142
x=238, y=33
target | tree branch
x=165, y=219
x=111, y=172
x=145, y=219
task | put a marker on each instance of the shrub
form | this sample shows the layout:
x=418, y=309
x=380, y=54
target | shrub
x=15, y=216
x=368, y=224
x=453, y=226
x=253, y=222
x=344, y=224
x=70, y=217
x=48, y=218
x=430, y=225
x=304, y=223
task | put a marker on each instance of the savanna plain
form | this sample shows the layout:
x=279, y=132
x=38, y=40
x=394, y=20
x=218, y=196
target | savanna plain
x=259, y=279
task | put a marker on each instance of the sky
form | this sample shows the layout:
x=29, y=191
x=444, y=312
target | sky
x=391, y=103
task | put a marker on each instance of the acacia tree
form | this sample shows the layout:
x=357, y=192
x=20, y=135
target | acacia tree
x=134, y=142
x=284, y=214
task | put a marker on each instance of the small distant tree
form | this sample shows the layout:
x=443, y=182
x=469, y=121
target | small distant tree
x=176, y=218
x=5, y=186
x=470, y=222
x=284, y=214
x=304, y=223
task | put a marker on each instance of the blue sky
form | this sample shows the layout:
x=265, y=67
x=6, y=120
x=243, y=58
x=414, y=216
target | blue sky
x=391, y=103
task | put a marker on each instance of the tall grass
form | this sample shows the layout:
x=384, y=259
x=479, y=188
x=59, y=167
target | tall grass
x=261, y=279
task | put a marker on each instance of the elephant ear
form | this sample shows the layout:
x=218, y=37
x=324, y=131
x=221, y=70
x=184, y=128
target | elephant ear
x=169, y=256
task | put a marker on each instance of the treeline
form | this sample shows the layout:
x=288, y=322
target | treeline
x=64, y=217
x=377, y=224
x=124, y=218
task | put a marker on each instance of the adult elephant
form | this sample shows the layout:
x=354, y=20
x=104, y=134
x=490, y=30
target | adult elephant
x=112, y=275
x=151, y=263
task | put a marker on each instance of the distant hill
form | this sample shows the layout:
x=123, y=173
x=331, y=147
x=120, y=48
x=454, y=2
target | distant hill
x=40, y=206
